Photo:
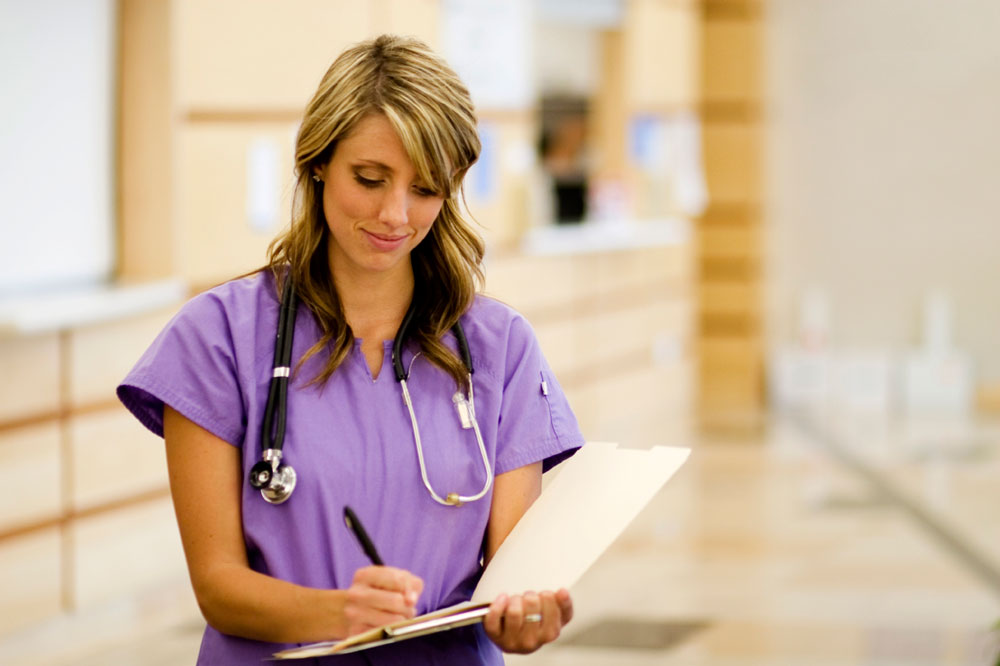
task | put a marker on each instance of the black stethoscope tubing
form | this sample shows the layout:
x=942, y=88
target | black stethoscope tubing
x=273, y=434
x=276, y=481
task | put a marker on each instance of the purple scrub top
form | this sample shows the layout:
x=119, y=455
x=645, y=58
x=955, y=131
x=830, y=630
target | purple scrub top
x=351, y=443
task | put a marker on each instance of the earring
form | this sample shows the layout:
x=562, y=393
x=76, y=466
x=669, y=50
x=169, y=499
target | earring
x=317, y=178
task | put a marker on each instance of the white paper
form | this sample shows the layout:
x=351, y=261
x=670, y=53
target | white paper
x=582, y=511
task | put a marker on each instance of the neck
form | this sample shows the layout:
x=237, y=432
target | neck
x=375, y=303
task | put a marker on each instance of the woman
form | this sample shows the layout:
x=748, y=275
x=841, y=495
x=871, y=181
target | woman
x=377, y=234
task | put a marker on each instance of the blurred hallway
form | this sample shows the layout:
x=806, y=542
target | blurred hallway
x=758, y=553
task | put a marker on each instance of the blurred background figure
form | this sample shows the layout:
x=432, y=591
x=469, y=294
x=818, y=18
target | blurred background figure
x=782, y=254
x=563, y=147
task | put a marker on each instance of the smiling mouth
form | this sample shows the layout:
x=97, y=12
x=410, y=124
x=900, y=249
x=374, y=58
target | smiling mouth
x=384, y=238
x=384, y=242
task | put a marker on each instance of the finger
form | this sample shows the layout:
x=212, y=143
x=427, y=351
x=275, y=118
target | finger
x=388, y=578
x=551, y=623
x=362, y=596
x=532, y=610
x=362, y=619
x=492, y=623
x=414, y=587
x=513, y=617
x=391, y=579
x=565, y=605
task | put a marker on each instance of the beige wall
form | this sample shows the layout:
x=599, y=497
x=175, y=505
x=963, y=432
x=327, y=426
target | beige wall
x=883, y=165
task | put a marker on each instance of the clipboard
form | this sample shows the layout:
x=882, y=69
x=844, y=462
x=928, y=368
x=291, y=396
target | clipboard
x=595, y=495
x=452, y=617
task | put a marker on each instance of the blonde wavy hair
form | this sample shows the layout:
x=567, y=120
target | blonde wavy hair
x=432, y=112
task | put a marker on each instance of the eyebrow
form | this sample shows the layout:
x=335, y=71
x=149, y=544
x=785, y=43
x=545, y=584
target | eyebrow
x=375, y=164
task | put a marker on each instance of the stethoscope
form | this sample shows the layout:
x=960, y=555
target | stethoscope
x=276, y=481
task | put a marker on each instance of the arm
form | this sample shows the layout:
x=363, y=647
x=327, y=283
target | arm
x=513, y=493
x=505, y=624
x=205, y=482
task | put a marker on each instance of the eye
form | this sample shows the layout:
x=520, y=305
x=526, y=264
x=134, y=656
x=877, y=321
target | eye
x=425, y=191
x=366, y=182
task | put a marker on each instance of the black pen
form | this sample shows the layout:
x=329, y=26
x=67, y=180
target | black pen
x=358, y=529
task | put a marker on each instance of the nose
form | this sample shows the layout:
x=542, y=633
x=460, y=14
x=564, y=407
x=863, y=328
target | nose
x=395, y=207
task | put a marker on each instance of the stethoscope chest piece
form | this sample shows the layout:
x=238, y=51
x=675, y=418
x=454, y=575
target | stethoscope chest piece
x=274, y=480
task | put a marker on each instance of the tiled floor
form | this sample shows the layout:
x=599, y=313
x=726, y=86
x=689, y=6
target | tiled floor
x=765, y=552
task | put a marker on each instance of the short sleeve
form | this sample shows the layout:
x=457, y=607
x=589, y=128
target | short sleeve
x=190, y=366
x=536, y=422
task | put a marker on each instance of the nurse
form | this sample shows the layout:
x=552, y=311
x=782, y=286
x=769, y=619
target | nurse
x=376, y=230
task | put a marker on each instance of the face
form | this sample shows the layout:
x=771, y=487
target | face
x=376, y=206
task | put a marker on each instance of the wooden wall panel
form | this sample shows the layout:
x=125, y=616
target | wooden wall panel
x=34, y=362
x=739, y=297
x=661, y=56
x=502, y=206
x=730, y=72
x=730, y=261
x=731, y=371
x=609, y=110
x=415, y=18
x=33, y=475
x=618, y=272
x=609, y=336
x=560, y=344
x=533, y=284
x=673, y=314
x=732, y=153
x=31, y=580
x=145, y=168
x=216, y=239
x=732, y=240
x=642, y=407
x=114, y=458
x=258, y=54
x=115, y=554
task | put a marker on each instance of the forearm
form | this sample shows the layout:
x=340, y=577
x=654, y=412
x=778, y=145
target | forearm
x=205, y=480
x=241, y=602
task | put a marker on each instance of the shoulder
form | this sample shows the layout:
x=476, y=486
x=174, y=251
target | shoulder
x=490, y=318
x=237, y=297
x=235, y=319
x=242, y=304
x=204, y=359
x=498, y=334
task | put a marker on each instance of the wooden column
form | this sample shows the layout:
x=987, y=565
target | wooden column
x=729, y=234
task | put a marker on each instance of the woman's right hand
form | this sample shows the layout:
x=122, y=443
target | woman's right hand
x=380, y=595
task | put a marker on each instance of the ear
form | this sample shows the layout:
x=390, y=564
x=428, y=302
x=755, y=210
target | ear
x=318, y=172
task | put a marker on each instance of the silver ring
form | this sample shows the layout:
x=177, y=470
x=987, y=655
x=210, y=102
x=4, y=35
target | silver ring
x=533, y=617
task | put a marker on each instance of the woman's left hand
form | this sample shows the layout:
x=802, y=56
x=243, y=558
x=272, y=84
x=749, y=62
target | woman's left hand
x=528, y=621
